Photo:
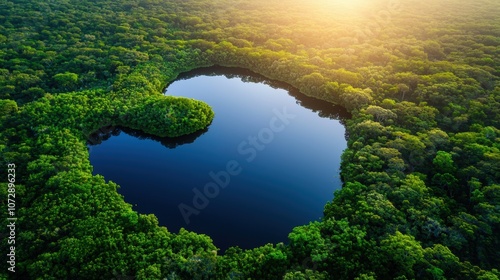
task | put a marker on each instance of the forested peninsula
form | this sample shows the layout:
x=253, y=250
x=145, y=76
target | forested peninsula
x=421, y=174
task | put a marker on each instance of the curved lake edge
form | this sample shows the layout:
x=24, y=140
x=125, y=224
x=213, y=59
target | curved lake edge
x=322, y=107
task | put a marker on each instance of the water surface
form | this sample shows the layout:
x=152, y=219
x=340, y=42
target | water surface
x=283, y=150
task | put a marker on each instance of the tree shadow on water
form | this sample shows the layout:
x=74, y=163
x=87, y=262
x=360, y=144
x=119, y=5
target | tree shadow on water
x=106, y=132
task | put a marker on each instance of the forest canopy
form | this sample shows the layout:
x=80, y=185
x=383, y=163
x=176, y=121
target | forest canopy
x=421, y=174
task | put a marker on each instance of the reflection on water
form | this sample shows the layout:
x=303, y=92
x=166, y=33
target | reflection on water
x=104, y=133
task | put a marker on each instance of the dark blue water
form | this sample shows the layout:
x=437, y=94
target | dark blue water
x=267, y=163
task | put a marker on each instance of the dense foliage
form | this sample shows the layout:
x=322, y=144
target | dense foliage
x=421, y=194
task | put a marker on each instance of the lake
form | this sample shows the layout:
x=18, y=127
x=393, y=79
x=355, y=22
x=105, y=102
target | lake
x=268, y=162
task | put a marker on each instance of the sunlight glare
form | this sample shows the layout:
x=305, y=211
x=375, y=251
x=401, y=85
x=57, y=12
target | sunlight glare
x=348, y=5
x=343, y=7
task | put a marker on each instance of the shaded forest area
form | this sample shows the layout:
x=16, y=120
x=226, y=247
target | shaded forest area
x=421, y=193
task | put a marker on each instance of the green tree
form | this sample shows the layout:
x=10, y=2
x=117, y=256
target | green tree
x=355, y=98
x=402, y=254
x=443, y=162
x=66, y=81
